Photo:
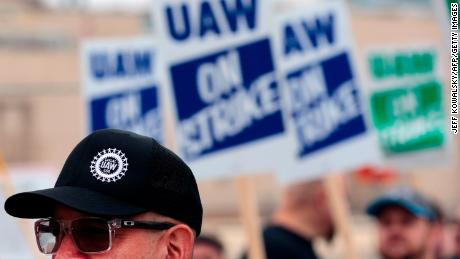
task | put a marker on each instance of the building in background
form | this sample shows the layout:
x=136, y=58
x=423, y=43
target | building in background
x=41, y=111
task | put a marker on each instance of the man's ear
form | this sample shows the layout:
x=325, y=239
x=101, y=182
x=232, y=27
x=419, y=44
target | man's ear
x=179, y=242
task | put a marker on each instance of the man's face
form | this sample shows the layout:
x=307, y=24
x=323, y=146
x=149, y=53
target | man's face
x=402, y=235
x=126, y=244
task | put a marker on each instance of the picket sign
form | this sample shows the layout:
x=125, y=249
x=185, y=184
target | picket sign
x=8, y=190
x=227, y=105
x=407, y=100
x=121, y=81
x=316, y=64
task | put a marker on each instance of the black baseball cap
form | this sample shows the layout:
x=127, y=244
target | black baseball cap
x=406, y=198
x=115, y=173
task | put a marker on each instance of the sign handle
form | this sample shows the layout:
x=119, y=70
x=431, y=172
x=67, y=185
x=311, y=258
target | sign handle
x=8, y=190
x=168, y=126
x=340, y=211
x=250, y=216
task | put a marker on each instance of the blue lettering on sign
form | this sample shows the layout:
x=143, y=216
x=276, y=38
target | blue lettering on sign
x=227, y=99
x=137, y=111
x=208, y=22
x=104, y=65
x=235, y=9
x=307, y=35
x=325, y=104
x=182, y=24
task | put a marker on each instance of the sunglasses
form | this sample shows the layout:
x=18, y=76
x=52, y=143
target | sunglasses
x=90, y=235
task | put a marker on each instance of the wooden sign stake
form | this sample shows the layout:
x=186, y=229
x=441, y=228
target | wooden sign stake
x=8, y=190
x=340, y=211
x=250, y=217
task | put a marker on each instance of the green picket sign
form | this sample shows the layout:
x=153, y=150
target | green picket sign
x=409, y=119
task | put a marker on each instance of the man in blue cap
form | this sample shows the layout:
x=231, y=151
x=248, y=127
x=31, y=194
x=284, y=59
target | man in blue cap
x=405, y=224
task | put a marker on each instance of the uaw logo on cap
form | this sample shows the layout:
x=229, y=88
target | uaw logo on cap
x=109, y=165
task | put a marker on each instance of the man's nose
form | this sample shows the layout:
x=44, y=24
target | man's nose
x=68, y=250
x=396, y=228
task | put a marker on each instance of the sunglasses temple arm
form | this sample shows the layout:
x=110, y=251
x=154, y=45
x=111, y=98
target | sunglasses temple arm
x=146, y=225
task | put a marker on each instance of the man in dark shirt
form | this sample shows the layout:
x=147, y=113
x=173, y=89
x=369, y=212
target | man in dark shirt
x=283, y=243
x=302, y=216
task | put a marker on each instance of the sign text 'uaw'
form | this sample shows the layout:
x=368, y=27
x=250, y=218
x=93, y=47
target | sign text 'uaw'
x=188, y=21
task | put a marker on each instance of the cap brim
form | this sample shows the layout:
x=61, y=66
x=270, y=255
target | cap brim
x=378, y=205
x=42, y=203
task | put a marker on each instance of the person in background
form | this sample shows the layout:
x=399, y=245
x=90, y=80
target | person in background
x=302, y=215
x=437, y=238
x=457, y=235
x=406, y=224
x=208, y=247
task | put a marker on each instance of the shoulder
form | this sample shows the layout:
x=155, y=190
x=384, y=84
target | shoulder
x=282, y=243
x=278, y=233
x=273, y=232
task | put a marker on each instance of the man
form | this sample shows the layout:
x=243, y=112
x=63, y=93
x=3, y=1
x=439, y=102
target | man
x=119, y=195
x=436, y=246
x=208, y=247
x=405, y=224
x=302, y=216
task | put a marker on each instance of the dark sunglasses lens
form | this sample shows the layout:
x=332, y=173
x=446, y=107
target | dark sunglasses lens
x=91, y=235
x=47, y=233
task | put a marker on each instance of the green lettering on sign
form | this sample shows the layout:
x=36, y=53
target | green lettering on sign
x=402, y=64
x=409, y=118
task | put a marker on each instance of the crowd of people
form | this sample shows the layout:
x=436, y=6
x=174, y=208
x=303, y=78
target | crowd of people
x=123, y=195
x=409, y=225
